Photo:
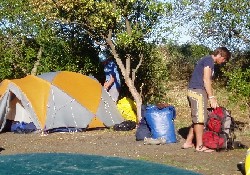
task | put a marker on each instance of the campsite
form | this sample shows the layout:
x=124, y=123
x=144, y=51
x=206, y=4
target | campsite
x=108, y=142
x=67, y=67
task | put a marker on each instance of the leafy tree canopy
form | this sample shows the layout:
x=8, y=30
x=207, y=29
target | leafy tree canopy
x=217, y=22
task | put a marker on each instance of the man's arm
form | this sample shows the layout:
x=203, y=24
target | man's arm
x=110, y=82
x=207, y=81
x=208, y=86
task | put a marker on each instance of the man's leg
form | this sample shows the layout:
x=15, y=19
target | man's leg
x=189, y=141
x=198, y=130
x=198, y=102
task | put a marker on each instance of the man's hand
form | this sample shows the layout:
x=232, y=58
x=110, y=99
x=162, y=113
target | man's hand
x=109, y=83
x=213, y=102
x=106, y=85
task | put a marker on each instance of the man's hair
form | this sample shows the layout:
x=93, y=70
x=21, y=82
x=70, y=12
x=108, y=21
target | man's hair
x=223, y=51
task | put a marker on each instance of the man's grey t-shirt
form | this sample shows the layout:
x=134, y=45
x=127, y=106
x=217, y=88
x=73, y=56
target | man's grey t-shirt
x=196, y=81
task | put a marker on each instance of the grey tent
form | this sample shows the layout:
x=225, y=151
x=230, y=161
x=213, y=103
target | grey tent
x=57, y=99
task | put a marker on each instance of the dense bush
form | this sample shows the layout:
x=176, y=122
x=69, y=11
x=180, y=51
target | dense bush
x=237, y=74
x=180, y=60
x=154, y=77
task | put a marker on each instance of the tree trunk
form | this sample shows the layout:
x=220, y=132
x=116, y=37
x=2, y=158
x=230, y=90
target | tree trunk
x=125, y=72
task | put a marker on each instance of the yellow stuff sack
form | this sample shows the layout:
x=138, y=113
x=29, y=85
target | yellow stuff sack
x=127, y=108
x=247, y=162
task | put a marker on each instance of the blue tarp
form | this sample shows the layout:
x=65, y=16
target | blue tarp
x=80, y=164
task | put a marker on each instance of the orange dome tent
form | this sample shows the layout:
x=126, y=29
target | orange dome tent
x=57, y=99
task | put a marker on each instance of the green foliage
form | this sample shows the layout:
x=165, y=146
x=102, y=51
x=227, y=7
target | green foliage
x=154, y=77
x=239, y=86
x=71, y=54
x=237, y=78
x=216, y=22
x=194, y=52
x=24, y=32
x=229, y=20
x=180, y=60
x=12, y=64
x=239, y=82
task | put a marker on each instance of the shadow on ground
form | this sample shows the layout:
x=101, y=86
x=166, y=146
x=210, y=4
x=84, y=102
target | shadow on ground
x=183, y=132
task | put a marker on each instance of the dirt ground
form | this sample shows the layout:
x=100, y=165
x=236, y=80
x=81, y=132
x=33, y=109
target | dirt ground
x=123, y=144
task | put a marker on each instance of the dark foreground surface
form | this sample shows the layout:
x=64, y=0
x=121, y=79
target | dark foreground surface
x=123, y=145
x=78, y=164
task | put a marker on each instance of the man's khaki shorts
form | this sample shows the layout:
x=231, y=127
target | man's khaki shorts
x=198, y=103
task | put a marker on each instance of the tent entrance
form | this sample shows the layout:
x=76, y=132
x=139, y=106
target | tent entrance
x=17, y=111
x=17, y=118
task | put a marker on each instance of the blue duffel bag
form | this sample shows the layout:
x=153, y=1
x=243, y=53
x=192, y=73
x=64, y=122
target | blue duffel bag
x=22, y=127
x=161, y=122
x=143, y=130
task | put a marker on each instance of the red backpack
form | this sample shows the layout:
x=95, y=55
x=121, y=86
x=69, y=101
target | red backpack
x=216, y=119
x=218, y=133
x=214, y=140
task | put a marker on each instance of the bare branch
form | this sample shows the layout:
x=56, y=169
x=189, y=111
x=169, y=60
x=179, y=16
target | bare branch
x=37, y=63
x=141, y=89
x=128, y=27
x=137, y=67
x=128, y=62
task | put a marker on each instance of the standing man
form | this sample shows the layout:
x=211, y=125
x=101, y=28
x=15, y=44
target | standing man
x=112, y=78
x=199, y=93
